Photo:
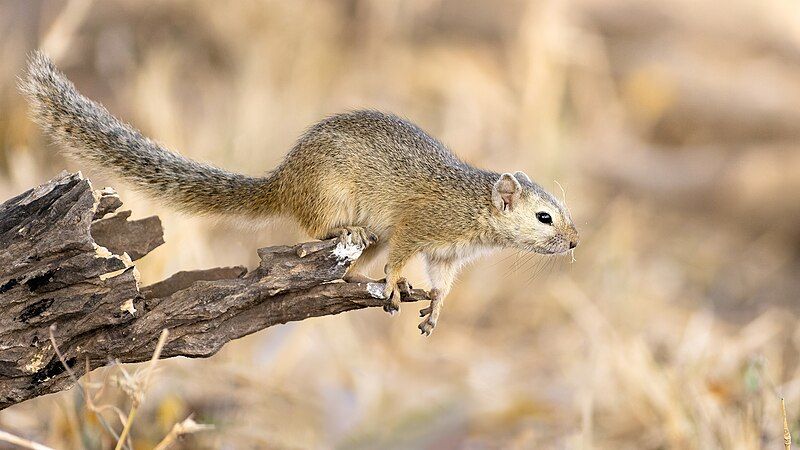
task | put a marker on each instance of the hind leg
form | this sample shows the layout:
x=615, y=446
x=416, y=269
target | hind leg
x=401, y=249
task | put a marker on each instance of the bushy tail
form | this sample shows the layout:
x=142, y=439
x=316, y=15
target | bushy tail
x=92, y=134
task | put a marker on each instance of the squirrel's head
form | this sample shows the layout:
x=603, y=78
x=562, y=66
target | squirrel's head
x=530, y=218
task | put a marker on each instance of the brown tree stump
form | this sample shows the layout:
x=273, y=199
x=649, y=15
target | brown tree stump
x=66, y=258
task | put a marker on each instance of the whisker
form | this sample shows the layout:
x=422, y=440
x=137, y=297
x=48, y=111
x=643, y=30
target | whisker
x=537, y=268
x=505, y=258
x=538, y=271
x=519, y=263
x=563, y=192
x=527, y=260
x=513, y=266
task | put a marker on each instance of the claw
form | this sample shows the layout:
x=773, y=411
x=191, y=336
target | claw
x=425, y=311
x=392, y=294
x=426, y=326
x=403, y=286
x=359, y=236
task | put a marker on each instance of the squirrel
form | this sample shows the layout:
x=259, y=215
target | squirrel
x=368, y=178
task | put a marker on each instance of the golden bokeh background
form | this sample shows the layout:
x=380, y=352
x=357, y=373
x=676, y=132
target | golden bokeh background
x=673, y=127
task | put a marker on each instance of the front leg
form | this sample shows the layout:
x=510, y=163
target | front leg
x=441, y=272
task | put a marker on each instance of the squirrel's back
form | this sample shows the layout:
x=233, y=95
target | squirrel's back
x=384, y=158
x=383, y=164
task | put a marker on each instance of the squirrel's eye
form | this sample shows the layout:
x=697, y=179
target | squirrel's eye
x=544, y=218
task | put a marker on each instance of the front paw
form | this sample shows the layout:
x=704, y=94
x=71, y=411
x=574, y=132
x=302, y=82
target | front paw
x=393, y=292
x=431, y=313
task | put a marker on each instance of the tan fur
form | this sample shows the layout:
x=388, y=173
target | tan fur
x=349, y=175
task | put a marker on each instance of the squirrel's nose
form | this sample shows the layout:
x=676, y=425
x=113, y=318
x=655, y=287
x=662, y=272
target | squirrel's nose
x=572, y=244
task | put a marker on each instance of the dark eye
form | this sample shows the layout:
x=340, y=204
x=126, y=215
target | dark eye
x=544, y=218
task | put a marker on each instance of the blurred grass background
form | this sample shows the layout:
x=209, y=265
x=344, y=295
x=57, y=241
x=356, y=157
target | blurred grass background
x=672, y=125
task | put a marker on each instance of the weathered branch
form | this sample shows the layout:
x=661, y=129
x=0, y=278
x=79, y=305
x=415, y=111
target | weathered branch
x=66, y=259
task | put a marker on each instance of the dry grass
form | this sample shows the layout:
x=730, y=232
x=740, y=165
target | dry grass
x=672, y=126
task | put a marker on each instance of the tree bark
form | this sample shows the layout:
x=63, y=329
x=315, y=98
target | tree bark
x=66, y=259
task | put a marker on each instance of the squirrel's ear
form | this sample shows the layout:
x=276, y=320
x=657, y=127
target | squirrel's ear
x=505, y=193
x=522, y=176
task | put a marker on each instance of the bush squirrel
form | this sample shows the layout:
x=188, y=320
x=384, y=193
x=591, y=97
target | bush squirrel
x=362, y=176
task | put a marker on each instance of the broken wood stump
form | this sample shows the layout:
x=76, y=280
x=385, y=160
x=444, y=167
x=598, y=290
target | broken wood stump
x=66, y=259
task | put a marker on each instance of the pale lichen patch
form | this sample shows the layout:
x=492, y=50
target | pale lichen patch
x=38, y=361
x=376, y=289
x=128, y=306
x=347, y=252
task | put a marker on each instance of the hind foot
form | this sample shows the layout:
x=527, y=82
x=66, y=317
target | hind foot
x=358, y=236
x=393, y=292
